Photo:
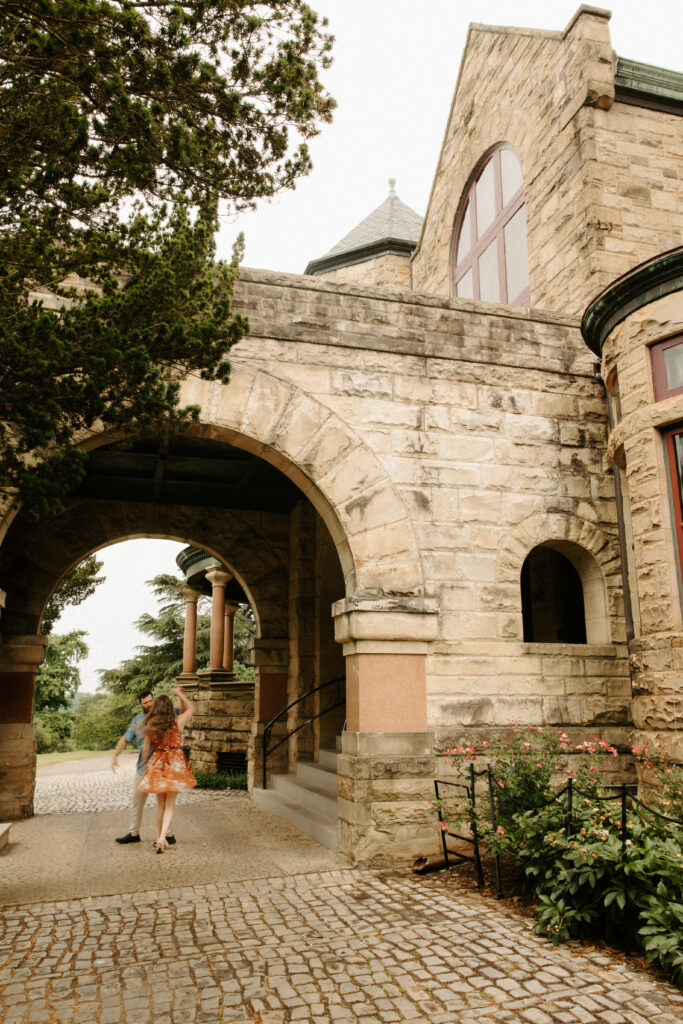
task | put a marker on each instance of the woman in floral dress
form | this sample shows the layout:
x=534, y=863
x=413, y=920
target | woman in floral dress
x=167, y=772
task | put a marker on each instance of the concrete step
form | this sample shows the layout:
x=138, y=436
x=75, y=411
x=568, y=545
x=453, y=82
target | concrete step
x=318, y=776
x=317, y=826
x=306, y=795
x=327, y=758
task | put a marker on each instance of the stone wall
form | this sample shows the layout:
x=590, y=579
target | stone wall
x=600, y=180
x=490, y=427
x=390, y=269
x=221, y=723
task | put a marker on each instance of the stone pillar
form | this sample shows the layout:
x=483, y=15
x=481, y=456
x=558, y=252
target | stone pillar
x=188, y=675
x=218, y=579
x=230, y=611
x=270, y=657
x=20, y=657
x=388, y=760
x=302, y=630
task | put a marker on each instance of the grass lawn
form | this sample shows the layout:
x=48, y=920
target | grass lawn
x=70, y=755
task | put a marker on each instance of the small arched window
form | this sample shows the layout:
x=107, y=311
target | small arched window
x=490, y=260
x=552, y=599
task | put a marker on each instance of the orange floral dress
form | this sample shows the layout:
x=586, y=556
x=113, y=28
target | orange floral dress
x=167, y=769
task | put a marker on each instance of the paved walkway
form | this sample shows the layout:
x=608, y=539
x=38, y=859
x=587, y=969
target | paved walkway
x=271, y=939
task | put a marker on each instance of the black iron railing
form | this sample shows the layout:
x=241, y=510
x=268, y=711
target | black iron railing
x=624, y=792
x=267, y=749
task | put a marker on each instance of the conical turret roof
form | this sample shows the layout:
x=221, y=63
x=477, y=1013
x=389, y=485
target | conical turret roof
x=392, y=227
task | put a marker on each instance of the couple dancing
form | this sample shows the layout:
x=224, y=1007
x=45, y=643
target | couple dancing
x=159, y=735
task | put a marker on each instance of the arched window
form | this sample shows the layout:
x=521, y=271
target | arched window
x=552, y=599
x=490, y=260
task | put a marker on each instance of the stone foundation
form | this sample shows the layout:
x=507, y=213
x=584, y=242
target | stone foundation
x=385, y=787
x=221, y=723
x=17, y=770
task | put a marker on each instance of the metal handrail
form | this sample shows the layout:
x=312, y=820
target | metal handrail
x=269, y=727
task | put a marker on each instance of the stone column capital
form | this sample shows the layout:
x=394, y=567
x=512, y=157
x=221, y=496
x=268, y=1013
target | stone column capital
x=232, y=607
x=190, y=594
x=22, y=653
x=218, y=577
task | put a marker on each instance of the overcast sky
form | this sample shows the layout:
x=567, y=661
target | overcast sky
x=395, y=68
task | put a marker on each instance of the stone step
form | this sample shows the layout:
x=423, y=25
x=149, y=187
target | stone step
x=306, y=795
x=319, y=827
x=4, y=833
x=318, y=776
x=327, y=758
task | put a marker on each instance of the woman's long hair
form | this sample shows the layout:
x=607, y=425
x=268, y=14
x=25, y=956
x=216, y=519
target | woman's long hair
x=160, y=719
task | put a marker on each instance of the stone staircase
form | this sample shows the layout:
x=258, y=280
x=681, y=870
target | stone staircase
x=307, y=800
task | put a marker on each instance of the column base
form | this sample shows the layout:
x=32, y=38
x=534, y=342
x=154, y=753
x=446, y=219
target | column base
x=17, y=770
x=386, y=788
x=215, y=677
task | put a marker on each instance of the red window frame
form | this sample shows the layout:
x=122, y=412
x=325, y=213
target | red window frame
x=675, y=475
x=496, y=230
x=659, y=376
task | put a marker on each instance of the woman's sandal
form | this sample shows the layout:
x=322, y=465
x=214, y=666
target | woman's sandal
x=160, y=847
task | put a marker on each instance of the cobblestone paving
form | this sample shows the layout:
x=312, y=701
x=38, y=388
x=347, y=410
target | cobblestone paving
x=337, y=946
x=93, y=791
x=340, y=946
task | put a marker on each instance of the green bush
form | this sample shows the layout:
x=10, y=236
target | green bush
x=100, y=719
x=219, y=780
x=589, y=880
x=53, y=730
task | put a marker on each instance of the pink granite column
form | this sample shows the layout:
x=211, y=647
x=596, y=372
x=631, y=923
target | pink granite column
x=231, y=609
x=218, y=579
x=190, y=637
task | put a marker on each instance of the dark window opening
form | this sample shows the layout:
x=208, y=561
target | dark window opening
x=231, y=762
x=552, y=599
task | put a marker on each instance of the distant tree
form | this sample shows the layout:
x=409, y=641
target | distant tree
x=57, y=682
x=123, y=124
x=100, y=719
x=76, y=586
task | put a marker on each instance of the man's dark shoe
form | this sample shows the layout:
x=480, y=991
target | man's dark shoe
x=128, y=838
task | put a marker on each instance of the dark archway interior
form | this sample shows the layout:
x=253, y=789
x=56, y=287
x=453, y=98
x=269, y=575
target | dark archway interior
x=187, y=470
x=552, y=599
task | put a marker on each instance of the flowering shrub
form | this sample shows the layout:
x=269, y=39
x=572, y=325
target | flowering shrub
x=587, y=876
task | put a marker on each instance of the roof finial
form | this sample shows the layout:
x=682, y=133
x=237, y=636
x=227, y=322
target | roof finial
x=392, y=190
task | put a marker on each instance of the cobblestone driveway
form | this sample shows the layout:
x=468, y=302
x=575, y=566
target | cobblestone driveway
x=328, y=946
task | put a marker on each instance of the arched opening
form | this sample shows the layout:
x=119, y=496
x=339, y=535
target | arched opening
x=257, y=527
x=552, y=599
x=563, y=596
x=490, y=260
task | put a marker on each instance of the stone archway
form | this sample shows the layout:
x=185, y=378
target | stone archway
x=383, y=620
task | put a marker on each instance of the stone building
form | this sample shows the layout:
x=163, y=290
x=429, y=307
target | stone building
x=415, y=476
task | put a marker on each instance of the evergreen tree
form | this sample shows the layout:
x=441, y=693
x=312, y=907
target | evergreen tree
x=123, y=125
x=76, y=586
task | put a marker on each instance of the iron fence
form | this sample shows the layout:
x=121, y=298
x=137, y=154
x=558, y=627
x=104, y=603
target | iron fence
x=625, y=793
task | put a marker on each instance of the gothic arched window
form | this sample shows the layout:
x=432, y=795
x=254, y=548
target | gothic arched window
x=490, y=259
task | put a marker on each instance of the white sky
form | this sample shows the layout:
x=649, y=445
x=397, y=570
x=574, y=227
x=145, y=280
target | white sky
x=395, y=68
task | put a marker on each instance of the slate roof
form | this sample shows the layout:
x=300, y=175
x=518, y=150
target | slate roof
x=393, y=226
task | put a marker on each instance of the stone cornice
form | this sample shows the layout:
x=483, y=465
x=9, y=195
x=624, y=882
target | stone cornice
x=646, y=283
x=645, y=85
x=383, y=247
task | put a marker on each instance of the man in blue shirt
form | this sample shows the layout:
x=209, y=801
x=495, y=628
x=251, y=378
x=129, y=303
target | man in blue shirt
x=134, y=734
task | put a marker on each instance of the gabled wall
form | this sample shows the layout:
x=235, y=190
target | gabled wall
x=601, y=186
